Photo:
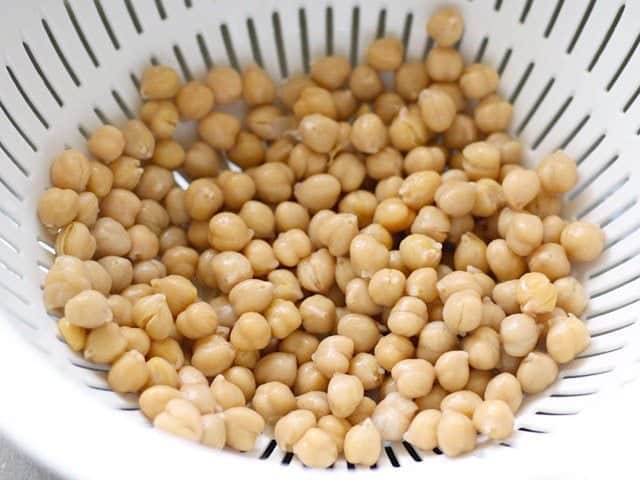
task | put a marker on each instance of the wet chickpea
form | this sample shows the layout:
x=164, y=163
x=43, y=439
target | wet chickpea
x=315, y=100
x=463, y=311
x=583, y=241
x=410, y=80
x=358, y=299
x=369, y=134
x=361, y=328
x=273, y=400
x=551, y=260
x=407, y=317
x=520, y=187
x=478, y=380
x=393, y=415
x=201, y=161
x=445, y=26
x=144, y=243
x=345, y=103
x=471, y=251
x=456, y=281
x=88, y=209
x=259, y=218
x=155, y=183
x=536, y=294
x=331, y=72
x=57, y=207
x=418, y=189
x=365, y=83
x=456, y=198
x=362, y=204
x=220, y=130
x=462, y=401
x=503, y=262
x=387, y=106
x=224, y=311
x=261, y=257
x=493, y=114
x=257, y=86
x=386, y=286
x=75, y=239
x=162, y=119
x=202, y=199
x=315, y=402
x=422, y=431
x=179, y=292
x=250, y=332
x=316, y=448
x=168, y=154
x=226, y=84
x=316, y=273
x=318, y=314
x=392, y=349
x=420, y=251
x=70, y=170
x=433, y=399
x=228, y=232
x=242, y=378
x=489, y=198
x=536, y=372
x=421, y=283
x=120, y=270
x=414, y=377
x=557, y=172
x=106, y=143
x=298, y=342
x=104, y=344
x=423, y=158
x=305, y=162
x=197, y=320
x=385, y=54
x=437, y=109
x=494, y=418
x=286, y=285
x=388, y=187
x=171, y=237
x=212, y=355
x=159, y=82
x=552, y=227
x=433, y=222
x=344, y=393
x=289, y=216
x=481, y=160
x=366, y=368
x=273, y=182
x=478, y=81
x=394, y=215
x=407, y=130
x=309, y=379
x=483, y=347
x=384, y=164
x=524, y=233
x=291, y=246
x=519, y=334
x=318, y=132
x=504, y=294
x=194, y=100
x=456, y=433
x=444, y=64
x=452, y=370
x=98, y=276
x=100, y=180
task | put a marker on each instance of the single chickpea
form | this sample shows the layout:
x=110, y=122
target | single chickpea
x=345, y=103
x=452, y=370
x=414, y=377
x=179, y=292
x=386, y=286
x=492, y=314
x=433, y=222
x=318, y=192
x=366, y=368
x=463, y=311
x=536, y=294
x=228, y=232
x=421, y=283
x=394, y=215
x=481, y=160
x=168, y=154
x=505, y=387
x=291, y=247
x=444, y=64
x=493, y=114
x=567, y=337
x=129, y=373
x=456, y=198
x=583, y=241
x=456, y=281
x=318, y=314
x=387, y=106
x=153, y=315
x=163, y=119
x=106, y=143
x=316, y=273
x=363, y=411
x=423, y=158
x=503, y=262
x=407, y=317
x=201, y=161
x=557, y=172
x=298, y=342
x=261, y=257
x=74, y=336
x=456, y=433
x=290, y=428
x=153, y=216
x=369, y=134
x=290, y=215
x=437, y=109
x=314, y=401
x=363, y=444
x=318, y=132
x=243, y=378
x=257, y=86
x=225, y=394
x=203, y=198
x=388, y=187
x=552, y=227
x=571, y=295
x=504, y=294
x=57, y=207
x=410, y=79
x=392, y=349
x=120, y=270
x=494, y=418
x=471, y=252
x=309, y=379
x=155, y=183
x=418, y=189
x=88, y=309
x=433, y=399
x=393, y=416
x=137, y=339
x=520, y=187
x=242, y=426
x=198, y=234
x=259, y=218
x=197, y=320
x=273, y=401
x=519, y=334
x=88, y=209
x=383, y=164
x=250, y=332
x=104, y=344
x=70, y=170
x=315, y=100
x=407, y=130
x=172, y=237
x=278, y=367
x=76, y=239
x=286, y=285
x=462, y=401
x=101, y=179
x=144, y=243
x=212, y=355
x=220, y=130
x=180, y=417
x=159, y=82
x=333, y=355
x=362, y=329
x=536, y=372
x=200, y=396
x=226, y=84
x=478, y=81
x=365, y=83
x=316, y=448
x=422, y=431
x=362, y=204
x=194, y=100
x=551, y=260
x=305, y=162
x=445, y=26
x=358, y=299
x=344, y=393
x=331, y=72
x=483, y=347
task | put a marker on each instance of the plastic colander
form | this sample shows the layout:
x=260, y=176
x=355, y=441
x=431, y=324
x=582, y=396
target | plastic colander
x=571, y=69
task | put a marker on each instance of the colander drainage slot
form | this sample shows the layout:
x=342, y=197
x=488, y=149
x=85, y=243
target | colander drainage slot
x=412, y=451
x=286, y=460
x=269, y=450
x=392, y=456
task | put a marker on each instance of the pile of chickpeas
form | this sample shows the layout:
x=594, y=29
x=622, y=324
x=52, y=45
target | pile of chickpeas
x=377, y=266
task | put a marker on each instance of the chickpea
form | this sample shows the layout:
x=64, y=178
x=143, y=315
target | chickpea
x=137, y=339
x=104, y=344
x=291, y=215
x=228, y=232
x=106, y=143
x=437, y=108
x=225, y=83
x=456, y=198
x=220, y=130
x=298, y=342
x=483, y=347
x=422, y=431
x=414, y=377
x=129, y=373
x=318, y=192
x=87, y=209
x=180, y=417
x=101, y=179
x=345, y=103
x=407, y=130
x=250, y=332
x=433, y=222
x=388, y=187
x=493, y=114
x=536, y=372
x=251, y=296
x=489, y=198
x=155, y=183
x=194, y=100
x=557, y=172
x=172, y=237
x=407, y=317
x=387, y=106
x=70, y=170
x=471, y=252
x=88, y=309
x=478, y=81
x=520, y=188
x=463, y=401
x=552, y=227
x=315, y=100
x=273, y=182
x=384, y=164
x=153, y=216
x=57, y=207
x=418, y=189
x=309, y=379
x=259, y=218
x=286, y=285
x=163, y=119
x=433, y=399
x=583, y=241
x=203, y=198
x=291, y=247
x=75, y=239
x=273, y=401
x=444, y=64
x=290, y=428
x=503, y=262
x=455, y=282
x=331, y=72
x=316, y=448
x=507, y=388
x=74, y=336
x=445, y=26
x=362, y=204
x=536, y=294
x=315, y=401
x=316, y=273
x=242, y=426
x=524, y=233
x=392, y=349
x=369, y=134
x=421, y=283
x=225, y=394
x=410, y=79
x=333, y=355
x=366, y=368
x=519, y=334
x=304, y=162
x=212, y=355
x=456, y=433
x=423, y=158
x=318, y=132
x=567, y=337
x=452, y=370
x=571, y=295
x=463, y=311
x=365, y=83
x=318, y=314
x=393, y=416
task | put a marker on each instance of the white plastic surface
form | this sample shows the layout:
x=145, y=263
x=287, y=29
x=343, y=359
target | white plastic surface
x=572, y=69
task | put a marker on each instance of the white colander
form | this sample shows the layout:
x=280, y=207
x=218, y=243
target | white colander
x=571, y=68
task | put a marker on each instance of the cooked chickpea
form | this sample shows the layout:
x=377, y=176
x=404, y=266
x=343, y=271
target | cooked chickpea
x=70, y=170
x=104, y=344
x=106, y=143
x=273, y=400
x=421, y=283
x=422, y=431
x=566, y=338
x=452, y=370
x=393, y=415
x=250, y=332
x=444, y=64
x=129, y=373
x=316, y=273
x=290, y=428
x=583, y=241
x=456, y=433
x=365, y=83
x=456, y=198
x=503, y=262
x=243, y=426
x=212, y=355
x=316, y=448
x=291, y=247
x=536, y=372
x=154, y=183
x=524, y=233
x=557, y=172
x=300, y=343
x=407, y=130
x=57, y=207
x=316, y=100
x=463, y=311
x=220, y=130
x=318, y=314
x=437, y=109
x=286, y=285
x=251, y=296
x=318, y=192
x=414, y=377
x=172, y=237
x=290, y=215
x=88, y=209
x=483, y=347
x=445, y=26
x=433, y=222
x=410, y=79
